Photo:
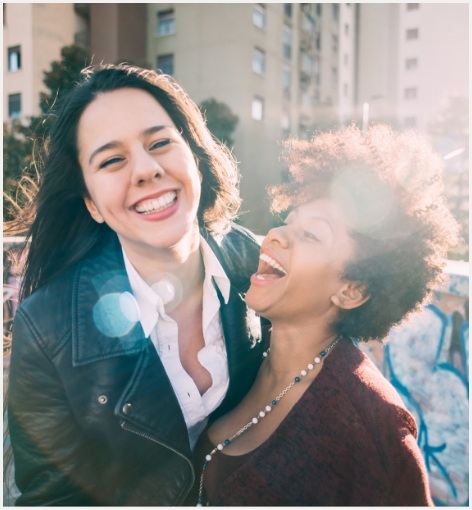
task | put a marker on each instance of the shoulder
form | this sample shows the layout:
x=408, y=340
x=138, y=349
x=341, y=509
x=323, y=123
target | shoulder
x=238, y=253
x=49, y=314
x=43, y=318
x=359, y=384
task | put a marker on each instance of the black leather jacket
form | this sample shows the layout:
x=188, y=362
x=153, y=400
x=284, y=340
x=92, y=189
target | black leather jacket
x=92, y=415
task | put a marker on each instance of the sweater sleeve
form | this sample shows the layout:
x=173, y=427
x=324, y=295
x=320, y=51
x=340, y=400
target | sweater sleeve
x=411, y=484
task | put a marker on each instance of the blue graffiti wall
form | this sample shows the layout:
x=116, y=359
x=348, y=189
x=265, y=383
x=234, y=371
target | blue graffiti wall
x=426, y=359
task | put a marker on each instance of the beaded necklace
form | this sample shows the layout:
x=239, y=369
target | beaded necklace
x=316, y=361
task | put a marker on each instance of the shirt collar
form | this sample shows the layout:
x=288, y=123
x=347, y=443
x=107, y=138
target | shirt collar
x=214, y=270
x=150, y=303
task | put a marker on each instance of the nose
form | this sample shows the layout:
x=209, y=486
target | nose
x=145, y=168
x=278, y=235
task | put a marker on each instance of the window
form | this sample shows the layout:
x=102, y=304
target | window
x=334, y=76
x=307, y=100
x=166, y=22
x=287, y=42
x=410, y=93
x=346, y=59
x=14, y=106
x=14, y=58
x=346, y=29
x=285, y=122
x=307, y=63
x=412, y=7
x=318, y=9
x=288, y=10
x=308, y=22
x=411, y=64
x=259, y=15
x=287, y=81
x=335, y=12
x=411, y=34
x=334, y=42
x=165, y=64
x=258, y=61
x=409, y=122
x=318, y=41
x=257, y=110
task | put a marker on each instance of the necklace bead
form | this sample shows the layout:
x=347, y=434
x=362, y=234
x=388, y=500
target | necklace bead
x=261, y=414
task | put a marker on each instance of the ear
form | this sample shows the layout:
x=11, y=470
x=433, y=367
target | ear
x=92, y=209
x=350, y=295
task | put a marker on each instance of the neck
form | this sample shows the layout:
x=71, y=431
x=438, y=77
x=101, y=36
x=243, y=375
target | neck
x=293, y=348
x=181, y=262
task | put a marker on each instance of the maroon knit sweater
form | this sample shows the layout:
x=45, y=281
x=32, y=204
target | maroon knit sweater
x=349, y=441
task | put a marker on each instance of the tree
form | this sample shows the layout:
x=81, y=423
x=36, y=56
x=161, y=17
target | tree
x=64, y=73
x=21, y=140
x=221, y=121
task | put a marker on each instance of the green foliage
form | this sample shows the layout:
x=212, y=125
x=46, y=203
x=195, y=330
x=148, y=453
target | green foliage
x=220, y=120
x=16, y=154
x=22, y=139
x=63, y=74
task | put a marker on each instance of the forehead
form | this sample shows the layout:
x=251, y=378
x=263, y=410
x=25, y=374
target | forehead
x=120, y=111
x=325, y=208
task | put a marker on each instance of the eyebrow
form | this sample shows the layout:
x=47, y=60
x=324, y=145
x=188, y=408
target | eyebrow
x=324, y=220
x=314, y=218
x=110, y=145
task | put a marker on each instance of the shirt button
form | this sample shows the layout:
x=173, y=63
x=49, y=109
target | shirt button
x=102, y=399
x=127, y=409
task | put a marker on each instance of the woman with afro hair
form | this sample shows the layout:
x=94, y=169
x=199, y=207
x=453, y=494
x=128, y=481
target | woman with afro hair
x=361, y=249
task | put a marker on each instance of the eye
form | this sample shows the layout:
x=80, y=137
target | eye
x=110, y=161
x=310, y=235
x=160, y=143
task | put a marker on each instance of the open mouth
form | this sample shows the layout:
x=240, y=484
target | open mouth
x=269, y=268
x=156, y=204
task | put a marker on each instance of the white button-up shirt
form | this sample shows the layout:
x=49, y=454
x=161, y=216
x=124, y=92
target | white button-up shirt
x=163, y=331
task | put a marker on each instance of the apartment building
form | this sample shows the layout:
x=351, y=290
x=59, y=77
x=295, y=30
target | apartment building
x=33, y=35
x=267, y=63
x=411, y=58
x=283, y=69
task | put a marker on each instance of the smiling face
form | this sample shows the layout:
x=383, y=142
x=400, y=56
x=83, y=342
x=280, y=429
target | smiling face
x=140, y=173
x=301, y=263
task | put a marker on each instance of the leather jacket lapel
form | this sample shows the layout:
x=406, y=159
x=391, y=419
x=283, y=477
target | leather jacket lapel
x=110, y=327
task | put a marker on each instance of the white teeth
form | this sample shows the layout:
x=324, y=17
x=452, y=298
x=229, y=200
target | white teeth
x=156, y=204
x=272, y=263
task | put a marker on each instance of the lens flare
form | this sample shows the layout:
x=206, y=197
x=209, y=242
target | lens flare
x=169, y=288
x=367, y=202
x=116, y=314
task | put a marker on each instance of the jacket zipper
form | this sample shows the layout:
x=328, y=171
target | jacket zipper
x=124, y=426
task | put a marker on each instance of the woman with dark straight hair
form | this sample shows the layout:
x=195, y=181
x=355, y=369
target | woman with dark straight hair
x=132, y=329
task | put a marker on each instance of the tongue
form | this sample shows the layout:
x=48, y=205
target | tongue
x=268, y=276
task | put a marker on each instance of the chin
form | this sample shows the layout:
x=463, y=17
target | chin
x=253, y=303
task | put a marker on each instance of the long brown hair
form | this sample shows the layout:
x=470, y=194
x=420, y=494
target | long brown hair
x=59, y=229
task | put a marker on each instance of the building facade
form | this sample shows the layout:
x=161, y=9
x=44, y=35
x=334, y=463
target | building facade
x=266, y=62
x=33, y=35
x=283, y=69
